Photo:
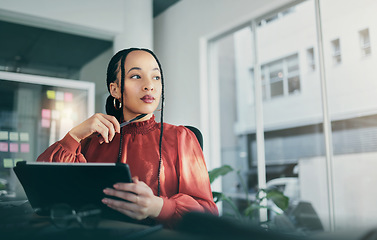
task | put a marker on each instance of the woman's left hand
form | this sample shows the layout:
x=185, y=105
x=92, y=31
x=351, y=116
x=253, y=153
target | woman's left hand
x=140, y=202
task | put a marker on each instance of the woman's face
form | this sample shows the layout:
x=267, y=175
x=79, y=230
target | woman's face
x=142, y=84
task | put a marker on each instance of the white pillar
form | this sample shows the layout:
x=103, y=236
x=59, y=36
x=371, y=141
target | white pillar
x=137, y=26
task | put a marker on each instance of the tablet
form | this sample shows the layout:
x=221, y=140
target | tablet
x=76, y=184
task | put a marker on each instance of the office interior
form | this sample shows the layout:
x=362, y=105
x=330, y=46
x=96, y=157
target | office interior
x=283, y=92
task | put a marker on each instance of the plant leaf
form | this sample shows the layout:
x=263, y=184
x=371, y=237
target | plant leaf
x=251, y=208
x=218, y=196
x=220, y=171
x=278, y=198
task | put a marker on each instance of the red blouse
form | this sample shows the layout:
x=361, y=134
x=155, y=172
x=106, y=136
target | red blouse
x=184, y=178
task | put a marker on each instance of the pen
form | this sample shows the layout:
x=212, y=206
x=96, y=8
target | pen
x=132, y=120
x=128, y=122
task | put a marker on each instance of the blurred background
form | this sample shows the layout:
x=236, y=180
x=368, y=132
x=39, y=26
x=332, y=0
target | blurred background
x=283, y=91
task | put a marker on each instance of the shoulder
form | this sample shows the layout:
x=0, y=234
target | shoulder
x=177, y=129
x=183, y=133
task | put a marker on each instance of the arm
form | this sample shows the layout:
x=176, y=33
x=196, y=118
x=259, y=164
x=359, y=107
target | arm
x=194, y=192
x=69, y=148
x=65, y=150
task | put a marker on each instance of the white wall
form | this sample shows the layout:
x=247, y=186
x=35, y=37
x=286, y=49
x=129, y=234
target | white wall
x=95, y=71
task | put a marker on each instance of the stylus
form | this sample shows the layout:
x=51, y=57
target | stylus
x=128, y=122
x=132, y=120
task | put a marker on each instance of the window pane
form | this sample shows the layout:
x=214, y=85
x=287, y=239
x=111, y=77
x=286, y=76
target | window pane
x=277, y=89
x=310, y=59
x=337, y=57
x=232, y=61
x=294, y=84
x=352, y=99
x=365, y=42
x=294, y=140
x=294, y=147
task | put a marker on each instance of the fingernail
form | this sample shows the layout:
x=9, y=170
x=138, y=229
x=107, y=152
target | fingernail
x=105, y=190
x=105, y=201
x=116, y=185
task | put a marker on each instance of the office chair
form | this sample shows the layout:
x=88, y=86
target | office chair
x=198, y=135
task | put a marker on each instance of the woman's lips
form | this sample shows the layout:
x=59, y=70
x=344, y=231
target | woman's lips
x=147, y=99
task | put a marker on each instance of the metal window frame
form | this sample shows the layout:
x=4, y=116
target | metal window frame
x=213, y=127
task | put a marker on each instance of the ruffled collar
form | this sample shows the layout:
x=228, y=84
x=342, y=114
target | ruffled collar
x=142, y=127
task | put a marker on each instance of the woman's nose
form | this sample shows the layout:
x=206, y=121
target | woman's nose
x=148, y=86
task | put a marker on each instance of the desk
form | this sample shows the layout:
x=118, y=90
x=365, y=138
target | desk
x=18, y=221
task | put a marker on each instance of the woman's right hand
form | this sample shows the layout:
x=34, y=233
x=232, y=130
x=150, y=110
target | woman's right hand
x=105, y=125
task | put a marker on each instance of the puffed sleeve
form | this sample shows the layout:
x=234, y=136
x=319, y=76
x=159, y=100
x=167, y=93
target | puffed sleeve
x=194, y=193
x=65, y=150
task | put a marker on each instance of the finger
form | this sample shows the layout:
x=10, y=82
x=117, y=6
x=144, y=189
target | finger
x=109, y=125
x=128, y=196
x=100, y=139
x=138, y=188
x=128, y=187
x=135, y=179
x=113, y=121
x=127, y=212
x=128, y=209
x=121, y=204
x=102, y=130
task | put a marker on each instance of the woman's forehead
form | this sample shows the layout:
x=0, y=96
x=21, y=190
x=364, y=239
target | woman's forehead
x=140, y=59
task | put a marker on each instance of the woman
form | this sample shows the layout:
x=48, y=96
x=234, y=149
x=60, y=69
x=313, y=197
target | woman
x=170, y=175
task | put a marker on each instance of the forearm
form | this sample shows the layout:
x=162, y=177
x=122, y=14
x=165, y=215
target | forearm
x=65, y=150
x=178, y=205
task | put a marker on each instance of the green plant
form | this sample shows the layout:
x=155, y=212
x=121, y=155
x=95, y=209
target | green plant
x=277, y=197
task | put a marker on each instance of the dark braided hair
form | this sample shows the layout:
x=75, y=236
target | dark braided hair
x=117, y=63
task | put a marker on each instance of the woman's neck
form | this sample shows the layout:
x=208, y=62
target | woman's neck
x=128, y=117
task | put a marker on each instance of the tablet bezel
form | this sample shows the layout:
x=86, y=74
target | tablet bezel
x=76, y=184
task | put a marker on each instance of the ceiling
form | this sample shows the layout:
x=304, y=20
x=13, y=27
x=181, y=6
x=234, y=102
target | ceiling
x=160, y=6
x=40, y=51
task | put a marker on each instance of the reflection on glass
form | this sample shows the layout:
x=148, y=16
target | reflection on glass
x=353, y=109
x=294, y=139
x=63, y=216
x=33, y=115
x=292, y=123
x=291, y=110
x=233, y=62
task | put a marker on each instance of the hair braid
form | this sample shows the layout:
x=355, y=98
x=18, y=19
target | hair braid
x=116, y=63
x=121, y=115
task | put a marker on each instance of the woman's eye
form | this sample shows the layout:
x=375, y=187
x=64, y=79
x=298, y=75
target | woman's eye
x=135, y=77
x=157, y=78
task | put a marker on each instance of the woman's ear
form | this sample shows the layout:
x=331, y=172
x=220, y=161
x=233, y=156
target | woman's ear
x=115, y=90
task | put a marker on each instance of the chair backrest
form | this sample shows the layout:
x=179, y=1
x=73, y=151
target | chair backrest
x=198, y=135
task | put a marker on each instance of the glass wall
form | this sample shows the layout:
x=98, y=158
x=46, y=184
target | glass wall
x=232, y=61
x=35, y=112
x=328, y=187
x=349, y=38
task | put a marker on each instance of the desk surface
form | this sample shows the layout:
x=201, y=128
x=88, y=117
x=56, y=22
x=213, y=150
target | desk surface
x=18, y=221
